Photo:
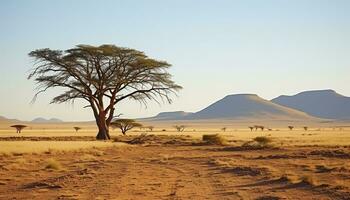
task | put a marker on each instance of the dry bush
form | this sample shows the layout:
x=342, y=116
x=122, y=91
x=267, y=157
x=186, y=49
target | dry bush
x=53, y=164
x=214, y=139
x=259, y=142
x=180, y=128
x=263, y=141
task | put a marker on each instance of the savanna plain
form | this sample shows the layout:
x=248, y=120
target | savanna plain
x=207, y=160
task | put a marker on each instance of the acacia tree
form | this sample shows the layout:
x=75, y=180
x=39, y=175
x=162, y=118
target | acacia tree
x=76, y=128
x=180, y=128
x=150, y=128
x=103, y=76
x=18, y=127
x=125, y=124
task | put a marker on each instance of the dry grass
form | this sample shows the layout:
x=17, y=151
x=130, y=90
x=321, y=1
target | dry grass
x=49, y=147
x=87, y=158
x=53, y=164
x=214, y=139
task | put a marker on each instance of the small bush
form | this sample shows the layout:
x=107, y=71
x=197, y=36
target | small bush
x=259, y=142
x=263, y=141
x=214, y=139
x=53, y=164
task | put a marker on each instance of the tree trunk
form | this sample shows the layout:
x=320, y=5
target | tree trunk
x=103, y=129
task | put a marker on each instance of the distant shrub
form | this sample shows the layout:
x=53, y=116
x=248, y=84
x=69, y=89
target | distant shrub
x=291, y=127
x=259, y=127
x=163, y=130
x=150, y=128
x=263, y=141
x=305, y=128
x=214, y=139
x=251, y=128
x=223, y=129
x=53, y=164
x=180, y=128
x=259, y=142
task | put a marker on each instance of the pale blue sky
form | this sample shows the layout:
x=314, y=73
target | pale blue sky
x=267, y=47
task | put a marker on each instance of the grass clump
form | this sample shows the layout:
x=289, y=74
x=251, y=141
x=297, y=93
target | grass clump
x=259, y=142
x=53, y=164
x=263, y=141
x=214, y=139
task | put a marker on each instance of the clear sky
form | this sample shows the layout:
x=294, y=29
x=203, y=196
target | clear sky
x=221, y=47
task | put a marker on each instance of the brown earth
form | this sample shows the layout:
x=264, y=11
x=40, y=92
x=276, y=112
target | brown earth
x=170, y=168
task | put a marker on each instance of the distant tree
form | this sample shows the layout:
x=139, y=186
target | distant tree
x=251, y=128
x=291, y=127
x=103, y=76
x=256, y=127
x=223, y=129
x=150, y=128
x=180, y=128
x=305, y=128
x=18, y=127
x=76, y=129
x=125, y=124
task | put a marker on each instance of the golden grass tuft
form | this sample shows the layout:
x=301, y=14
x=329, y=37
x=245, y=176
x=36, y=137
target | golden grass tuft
x=214, y=139
x=53, y=164
x=259, y=142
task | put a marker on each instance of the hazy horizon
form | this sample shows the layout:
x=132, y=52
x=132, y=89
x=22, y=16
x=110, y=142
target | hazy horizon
x=268, y=48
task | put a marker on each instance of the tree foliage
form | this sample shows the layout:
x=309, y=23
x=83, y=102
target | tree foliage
x=76, y=128
x=19, y=127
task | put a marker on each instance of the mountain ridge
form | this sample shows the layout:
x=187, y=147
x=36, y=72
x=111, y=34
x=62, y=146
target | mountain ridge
x=320, y=103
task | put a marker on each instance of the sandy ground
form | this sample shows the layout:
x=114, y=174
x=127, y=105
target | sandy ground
x=179, y=169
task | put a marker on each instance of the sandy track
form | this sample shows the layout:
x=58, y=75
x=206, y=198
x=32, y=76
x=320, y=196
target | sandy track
x=154, y=172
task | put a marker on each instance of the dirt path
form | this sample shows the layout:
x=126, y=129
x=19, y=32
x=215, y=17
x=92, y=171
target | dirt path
x=154, y=172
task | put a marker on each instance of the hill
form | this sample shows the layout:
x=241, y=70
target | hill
x=176, y=115
x=247, y=106
x=4, y=120
x=239, y=106
x=320, y=103
x=43, y=120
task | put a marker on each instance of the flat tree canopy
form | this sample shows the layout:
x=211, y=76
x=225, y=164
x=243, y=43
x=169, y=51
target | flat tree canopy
x=19, y=127
x=125, y=124
x=103, y=76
